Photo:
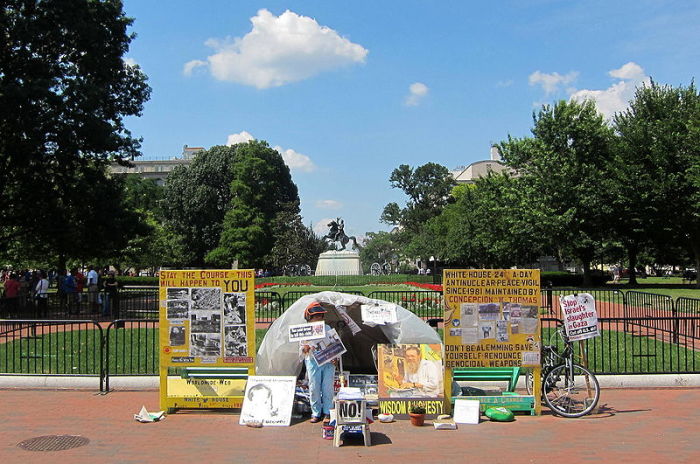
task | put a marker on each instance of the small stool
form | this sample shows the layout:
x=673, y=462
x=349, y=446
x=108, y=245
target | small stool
x=351, y=413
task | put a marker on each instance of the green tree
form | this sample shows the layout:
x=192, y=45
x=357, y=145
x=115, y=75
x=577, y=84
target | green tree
x=196, y=198
x=262, y=188
x=428, y=189
x=294, y=243
x=377, y=248
x=564, y=171
x=657, y=191
x=64, y=94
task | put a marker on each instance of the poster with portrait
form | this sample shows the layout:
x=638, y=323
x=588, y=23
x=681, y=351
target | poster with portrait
x=268, y=400
x=410, y=374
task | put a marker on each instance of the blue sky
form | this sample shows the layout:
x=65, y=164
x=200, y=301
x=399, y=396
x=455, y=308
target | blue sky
x=348, y=91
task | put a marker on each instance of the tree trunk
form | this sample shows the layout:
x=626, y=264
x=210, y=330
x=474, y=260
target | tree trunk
x=632, y=265
x=587, y=279
x=696, y=251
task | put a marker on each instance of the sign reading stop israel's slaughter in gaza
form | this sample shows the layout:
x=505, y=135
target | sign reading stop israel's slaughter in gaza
x=580, y=316
x=491, y=318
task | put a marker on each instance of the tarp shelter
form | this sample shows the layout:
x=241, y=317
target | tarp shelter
x=278, y=356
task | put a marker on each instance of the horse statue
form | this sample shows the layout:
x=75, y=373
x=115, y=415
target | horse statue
x=336, y=233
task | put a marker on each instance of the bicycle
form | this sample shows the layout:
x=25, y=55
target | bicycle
x=568, y=389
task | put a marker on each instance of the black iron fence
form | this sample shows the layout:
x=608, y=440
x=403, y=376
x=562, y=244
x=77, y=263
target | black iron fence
x=67, y=347
x=630, y=343
x=132, y=348
x=645, y=350
x=426, y=304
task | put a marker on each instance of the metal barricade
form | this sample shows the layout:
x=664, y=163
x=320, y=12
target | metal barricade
x=132, y=348
x=57, y=347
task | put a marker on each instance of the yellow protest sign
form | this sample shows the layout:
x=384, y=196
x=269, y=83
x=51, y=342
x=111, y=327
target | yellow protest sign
x=207, y=337
x=492, y=319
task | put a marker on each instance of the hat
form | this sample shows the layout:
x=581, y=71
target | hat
x=313, y=309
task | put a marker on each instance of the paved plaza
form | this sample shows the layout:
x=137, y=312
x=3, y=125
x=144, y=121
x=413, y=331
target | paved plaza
x=633, y=425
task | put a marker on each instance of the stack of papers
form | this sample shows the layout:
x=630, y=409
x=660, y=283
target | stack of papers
x=350, y=393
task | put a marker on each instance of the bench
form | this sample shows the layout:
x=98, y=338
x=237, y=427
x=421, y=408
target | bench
x=509, y=399
x=232, y=373
x=487, y=374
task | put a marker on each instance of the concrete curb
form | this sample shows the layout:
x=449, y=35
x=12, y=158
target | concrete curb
x=152, y=382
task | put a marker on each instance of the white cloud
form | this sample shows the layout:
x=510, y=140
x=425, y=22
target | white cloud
x=296, y=161
x=615, y=98
x=321, y=226
x=328, y=204
x=550, y=82
x=416, y=92
x=190, y=66
x=506, y=83
x=241, y=137
x=129, y=61
x=279, y=50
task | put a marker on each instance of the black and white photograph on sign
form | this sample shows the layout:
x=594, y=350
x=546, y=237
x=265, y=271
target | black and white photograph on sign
x=234, y=308
x=177, y=335
x=268, y=400
x=501, y=331
x=177, y=309
x=206, y=299
x=205, y=344
x=469, y=315
x=489, y=311
x=470, y=335
x=178, y=293
x=236, y=341
x=205, y=322
x=528, y=321
x=487, y=330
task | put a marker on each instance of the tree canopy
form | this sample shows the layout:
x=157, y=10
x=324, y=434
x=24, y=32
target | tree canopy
x=64, y=92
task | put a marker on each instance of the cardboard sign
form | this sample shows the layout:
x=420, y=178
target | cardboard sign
x=466, y=411
x=379, y=314
x=580, y=316
x=310, y=331
x=268, y=400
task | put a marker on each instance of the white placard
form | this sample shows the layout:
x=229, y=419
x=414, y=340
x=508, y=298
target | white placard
x=379, y=314
x=466, y=411
x=580, y=316
x=310, y=331
x=268, y=400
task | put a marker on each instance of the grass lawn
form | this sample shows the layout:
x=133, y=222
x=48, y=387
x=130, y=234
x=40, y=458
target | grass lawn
x=132, y=352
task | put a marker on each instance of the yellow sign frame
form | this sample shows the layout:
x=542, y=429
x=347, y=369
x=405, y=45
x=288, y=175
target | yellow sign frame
x=210, y=295
x=492, y=320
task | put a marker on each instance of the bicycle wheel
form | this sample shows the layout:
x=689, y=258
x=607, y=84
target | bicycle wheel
x=571, y=395
x=375, y=269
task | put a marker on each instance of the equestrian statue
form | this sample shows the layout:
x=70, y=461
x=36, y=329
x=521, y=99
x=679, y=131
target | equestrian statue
x=336, y=233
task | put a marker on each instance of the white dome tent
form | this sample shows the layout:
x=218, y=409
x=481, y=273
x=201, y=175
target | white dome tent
x=278, y=356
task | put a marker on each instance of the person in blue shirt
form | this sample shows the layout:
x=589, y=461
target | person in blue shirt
x=321, y=377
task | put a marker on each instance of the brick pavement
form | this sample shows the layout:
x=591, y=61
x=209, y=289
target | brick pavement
x=635, y=425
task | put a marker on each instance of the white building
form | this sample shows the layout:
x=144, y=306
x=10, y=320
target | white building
x=469, y=174
x=157, y=170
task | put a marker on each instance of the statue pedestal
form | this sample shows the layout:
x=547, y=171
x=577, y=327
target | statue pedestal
x=344, y=262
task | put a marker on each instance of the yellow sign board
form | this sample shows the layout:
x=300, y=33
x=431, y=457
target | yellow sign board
x=492, y=319
x=207, y=320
